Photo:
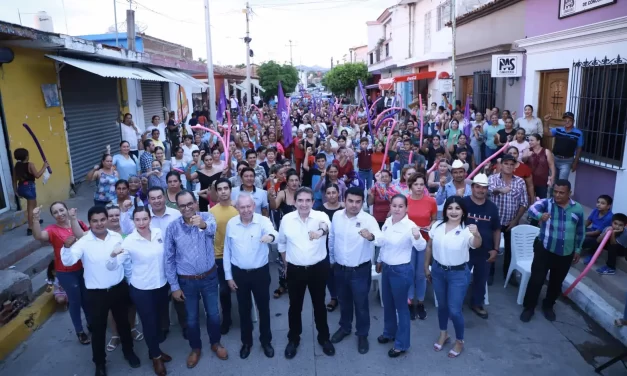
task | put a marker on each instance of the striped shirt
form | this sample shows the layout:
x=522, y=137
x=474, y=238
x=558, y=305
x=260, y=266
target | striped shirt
x=508, y=203
x=566, y=142
x=563, y=233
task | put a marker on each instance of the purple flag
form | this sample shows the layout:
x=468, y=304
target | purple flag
x=221, y=106
x=285, y=118
x=467, y=127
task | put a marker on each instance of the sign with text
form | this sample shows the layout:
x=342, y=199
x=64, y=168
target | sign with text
x=509, y=65
x=572, y=7
x=445, y=85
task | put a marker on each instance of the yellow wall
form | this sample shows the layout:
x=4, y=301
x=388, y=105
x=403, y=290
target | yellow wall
x=123, y=102
x=23, y=102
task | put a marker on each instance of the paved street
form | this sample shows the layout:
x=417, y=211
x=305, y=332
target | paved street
x=501, y=345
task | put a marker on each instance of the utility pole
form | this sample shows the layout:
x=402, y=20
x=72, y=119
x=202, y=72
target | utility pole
x=331, y=62
x=290, y=46
x=247, y=40
x=453, y=69
x=115, y=18
x=211, y=83
x=130, y=30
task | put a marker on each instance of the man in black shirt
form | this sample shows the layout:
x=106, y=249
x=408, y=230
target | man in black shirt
x=485, y=214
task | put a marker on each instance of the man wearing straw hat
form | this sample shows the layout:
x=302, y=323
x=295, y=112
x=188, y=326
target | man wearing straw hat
x=457, y=186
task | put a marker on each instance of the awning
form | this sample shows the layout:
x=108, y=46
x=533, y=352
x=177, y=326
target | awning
x=110, y=70
x=386, y=83
x=258, y=87
x=180, y=78
x=373, y=86
x=416, y=77
x=238, y=87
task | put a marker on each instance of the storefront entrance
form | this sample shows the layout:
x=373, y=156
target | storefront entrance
x=552, y=99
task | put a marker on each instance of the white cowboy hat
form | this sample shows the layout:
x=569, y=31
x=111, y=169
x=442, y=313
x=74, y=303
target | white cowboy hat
x=480, y=179
x=459, y=164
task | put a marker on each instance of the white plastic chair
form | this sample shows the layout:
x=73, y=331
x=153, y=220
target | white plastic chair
x=523, y=237
x=486, y=299
x=375, y=277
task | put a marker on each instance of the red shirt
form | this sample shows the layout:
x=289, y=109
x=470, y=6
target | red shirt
x=421, y=211
x=298, y=153
x=343, y=171
x=377, y=161
x=522, y=171
x=364, y=160
x=57, y=236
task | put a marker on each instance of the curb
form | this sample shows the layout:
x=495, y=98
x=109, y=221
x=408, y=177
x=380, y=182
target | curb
x=28, y=320
x=596, y=307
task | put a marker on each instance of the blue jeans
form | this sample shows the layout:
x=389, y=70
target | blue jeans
x=395, y=282
x=450, y=290
x=353, y=285
x=489, y=152
x=207, y=288
x=150, y=305
x=563, y=166
x=74, y=286
x=418, y=288
x=367, y=177
x=478, y=260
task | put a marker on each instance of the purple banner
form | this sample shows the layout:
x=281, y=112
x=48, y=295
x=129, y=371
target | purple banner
x=285, y=118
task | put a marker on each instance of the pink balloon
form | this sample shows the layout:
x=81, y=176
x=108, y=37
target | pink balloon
x=606, y=238
x=383, y=113
x=226, y=147
x=476, y=171
x=435, y=165
x=422, y=119
x=373, y=104
x=258, y=110
x=387, y=143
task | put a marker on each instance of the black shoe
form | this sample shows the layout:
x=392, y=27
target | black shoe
x=526, y=315
x=268, y=350
x=490, y=280
x=184, y=330
x=549, y=314
x=132, y=360
x=224, y=328
x=412, y=312
x=328, y=348
x=101, y=370
x=383, y=340
x=393, y=353
x=29, y=232
x=41, y=221
x=339, y=336
x=245, y=351
x=290, y=350
x=422, y=313
x=362, y=344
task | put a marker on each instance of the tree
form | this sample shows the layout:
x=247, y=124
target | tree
x=270, y=73
x=201, y=60
x=240, y=66
x=343, y=78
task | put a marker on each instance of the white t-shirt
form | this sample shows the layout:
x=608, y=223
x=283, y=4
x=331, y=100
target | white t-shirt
x=450, y=248
x=187, y=151
x=161, y=128
x=130, y=135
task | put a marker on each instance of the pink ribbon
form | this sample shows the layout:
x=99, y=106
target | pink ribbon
x=435, y=165
x=383, y=113
x=258, y=110
x=422, y=119
x=476, y=171
x=411, y=155
x=387, y=143
x=585, y=271
x=373, y=104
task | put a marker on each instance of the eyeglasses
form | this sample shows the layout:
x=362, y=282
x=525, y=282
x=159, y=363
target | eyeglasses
x=189, y=205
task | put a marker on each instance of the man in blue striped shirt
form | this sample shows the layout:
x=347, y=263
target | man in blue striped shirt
x=558, y=245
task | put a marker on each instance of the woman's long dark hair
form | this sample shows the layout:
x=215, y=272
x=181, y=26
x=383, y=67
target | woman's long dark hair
x=139, y=209
x=454, y=200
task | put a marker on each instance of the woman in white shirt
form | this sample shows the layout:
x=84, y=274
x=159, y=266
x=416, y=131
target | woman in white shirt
x=141, y=254
x=399, y=235
x=450, y=275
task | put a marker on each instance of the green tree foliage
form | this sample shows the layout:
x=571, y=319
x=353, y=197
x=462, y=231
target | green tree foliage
x=270, y=73
x=343, y=78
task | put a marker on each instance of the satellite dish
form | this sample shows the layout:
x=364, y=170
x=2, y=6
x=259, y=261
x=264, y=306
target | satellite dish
x=140, y=27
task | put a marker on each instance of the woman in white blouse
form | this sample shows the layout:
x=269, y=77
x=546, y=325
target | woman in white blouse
x=399, y=236
x=141, y=254
x=449, y=245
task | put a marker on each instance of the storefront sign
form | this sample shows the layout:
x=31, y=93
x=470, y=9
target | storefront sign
x=445, y=85
x=571, y=7
x=507, y=65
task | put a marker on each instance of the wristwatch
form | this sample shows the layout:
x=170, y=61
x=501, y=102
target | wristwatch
x=324, y=232
x=371, y=240
x=273, y=238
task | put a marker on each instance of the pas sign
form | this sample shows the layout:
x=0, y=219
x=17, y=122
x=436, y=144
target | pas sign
x=509, y=65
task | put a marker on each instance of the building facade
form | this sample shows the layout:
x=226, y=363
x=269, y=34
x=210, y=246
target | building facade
x=575, y=62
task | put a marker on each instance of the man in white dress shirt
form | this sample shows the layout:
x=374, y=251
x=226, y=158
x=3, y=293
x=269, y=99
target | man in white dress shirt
x=302, y=245
x=350, y=252
x=161, y=217
x=106, y=289
x=246, y=270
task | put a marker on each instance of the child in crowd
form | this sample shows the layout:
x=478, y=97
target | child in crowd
x=616, y=244
x=599, y=219
x=156, y=177
x=24, y=175
x=53, y=285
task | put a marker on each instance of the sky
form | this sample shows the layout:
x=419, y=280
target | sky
x=319, y=29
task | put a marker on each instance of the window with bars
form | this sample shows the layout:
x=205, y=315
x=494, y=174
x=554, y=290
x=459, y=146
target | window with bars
x=427, y=38
x=371, y=58
x=444, y=15
x=598, y=97
x=387, y=49
x=483, y=90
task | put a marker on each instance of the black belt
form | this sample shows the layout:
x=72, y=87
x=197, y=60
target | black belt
x=110, y=288
x=452, y=267
x=367, y=263
x=248, y=270
x=200, y=276
x=305, y=267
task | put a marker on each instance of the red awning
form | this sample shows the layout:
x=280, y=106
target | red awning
x=444, y=75
x=416, y=76
x=386, y=83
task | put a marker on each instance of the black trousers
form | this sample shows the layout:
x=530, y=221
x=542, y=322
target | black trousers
x=181, y=314
x=100, y=301
x=149, y=305
x=299, y=279
x=225, y=294
x=507, y=256
x=253, y=283
x=543, y=262
x=613, y=251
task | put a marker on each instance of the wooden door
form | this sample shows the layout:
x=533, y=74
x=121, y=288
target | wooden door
x=553, y=92
x=467, y=87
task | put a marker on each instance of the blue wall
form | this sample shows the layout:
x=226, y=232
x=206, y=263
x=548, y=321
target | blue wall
x=109, y=39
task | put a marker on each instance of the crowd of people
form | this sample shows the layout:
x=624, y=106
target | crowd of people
x=178, y=216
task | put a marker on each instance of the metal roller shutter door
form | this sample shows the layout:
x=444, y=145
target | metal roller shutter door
x=152, y=100
x=91, y=114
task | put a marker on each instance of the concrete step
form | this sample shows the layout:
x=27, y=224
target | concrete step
x=35, y=262
x=610, y=285
x=16, y=246
x=39, y=283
